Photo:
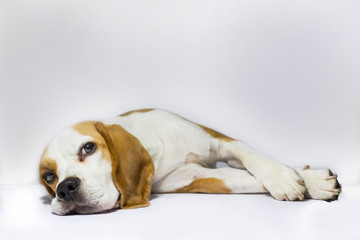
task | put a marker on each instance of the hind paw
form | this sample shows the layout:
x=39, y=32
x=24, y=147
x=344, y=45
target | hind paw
x=320, y=184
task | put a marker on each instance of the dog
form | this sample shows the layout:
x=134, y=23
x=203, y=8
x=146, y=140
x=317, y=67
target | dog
x=97, y=166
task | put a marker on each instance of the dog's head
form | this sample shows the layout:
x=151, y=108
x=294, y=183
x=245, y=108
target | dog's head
x=91, y=167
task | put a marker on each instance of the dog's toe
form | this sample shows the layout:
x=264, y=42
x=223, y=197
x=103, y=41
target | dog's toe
x=321, y=184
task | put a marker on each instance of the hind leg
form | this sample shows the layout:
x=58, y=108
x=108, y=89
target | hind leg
x=282, y=182
x=195, y=176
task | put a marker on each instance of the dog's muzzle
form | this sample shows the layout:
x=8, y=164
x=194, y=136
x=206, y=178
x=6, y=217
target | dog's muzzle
x=68, y=189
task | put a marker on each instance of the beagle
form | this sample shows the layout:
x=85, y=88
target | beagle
x=96, y=166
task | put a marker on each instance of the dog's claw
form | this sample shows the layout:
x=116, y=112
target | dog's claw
x=301, y=182
x=301, y=196
x=332, y=177
x=306, y=167
x=286, y=197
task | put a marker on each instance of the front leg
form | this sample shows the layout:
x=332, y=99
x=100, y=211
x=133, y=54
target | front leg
x=282, y=182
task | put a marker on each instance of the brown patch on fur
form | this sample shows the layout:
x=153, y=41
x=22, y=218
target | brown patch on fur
x=88, y=129
x=205, y=185
x=132, y=166
x=212, y=132
x=47, y=165
x=137, y=111
x=216, y=134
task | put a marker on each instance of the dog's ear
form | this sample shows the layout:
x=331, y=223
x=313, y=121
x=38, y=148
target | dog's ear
x=132, y=166
x=49, y=189
x=45, y=165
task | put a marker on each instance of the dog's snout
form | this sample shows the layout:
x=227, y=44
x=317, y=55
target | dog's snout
x=67, y=189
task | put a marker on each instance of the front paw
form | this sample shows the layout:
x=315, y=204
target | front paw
x=320, y=184
x=285, y=183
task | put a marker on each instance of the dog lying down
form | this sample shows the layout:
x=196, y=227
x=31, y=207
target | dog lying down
x=96, y=166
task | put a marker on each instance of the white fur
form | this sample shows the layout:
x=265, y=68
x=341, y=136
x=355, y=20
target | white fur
x=181, y=151
x=97, y=190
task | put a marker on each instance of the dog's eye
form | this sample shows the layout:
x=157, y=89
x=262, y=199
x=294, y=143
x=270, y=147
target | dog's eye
x=49, y=177
x=88, y=148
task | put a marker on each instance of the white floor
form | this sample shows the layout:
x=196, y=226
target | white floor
x=25, y=214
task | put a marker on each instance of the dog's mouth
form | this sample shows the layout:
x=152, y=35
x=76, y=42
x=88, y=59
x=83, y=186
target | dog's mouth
x=84, y=209
x=81, y=206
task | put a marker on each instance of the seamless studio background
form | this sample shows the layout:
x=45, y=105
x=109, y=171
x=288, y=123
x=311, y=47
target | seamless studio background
x=280, y=75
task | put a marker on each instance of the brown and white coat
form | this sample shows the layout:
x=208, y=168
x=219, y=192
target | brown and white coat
x=96, y=166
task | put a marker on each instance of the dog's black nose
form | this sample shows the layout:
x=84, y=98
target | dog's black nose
x=67, y=189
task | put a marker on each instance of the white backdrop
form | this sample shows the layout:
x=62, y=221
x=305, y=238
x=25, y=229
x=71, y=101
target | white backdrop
x=282, y=75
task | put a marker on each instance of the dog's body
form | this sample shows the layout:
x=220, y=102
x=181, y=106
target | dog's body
x=97, y=166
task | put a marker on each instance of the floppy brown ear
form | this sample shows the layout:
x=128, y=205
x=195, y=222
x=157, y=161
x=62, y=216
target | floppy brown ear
x=50, y=191
x=45, y=165
x=132, y=166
